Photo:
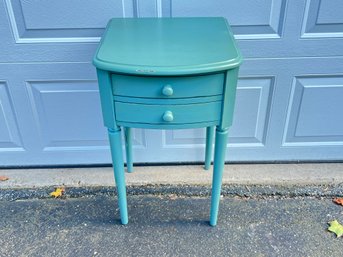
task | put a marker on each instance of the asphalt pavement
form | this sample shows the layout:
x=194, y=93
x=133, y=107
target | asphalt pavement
x=169, y=225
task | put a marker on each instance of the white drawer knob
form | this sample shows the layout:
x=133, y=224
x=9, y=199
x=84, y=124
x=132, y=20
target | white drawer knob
x=167, y=90
x=168, y=116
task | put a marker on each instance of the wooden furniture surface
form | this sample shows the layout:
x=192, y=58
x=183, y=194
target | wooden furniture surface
x=167, y=73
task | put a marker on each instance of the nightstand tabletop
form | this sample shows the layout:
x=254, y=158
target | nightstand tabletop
x=167, y=46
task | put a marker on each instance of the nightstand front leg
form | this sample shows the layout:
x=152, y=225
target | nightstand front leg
x=218, y=167
x=119, y=175
x=209, y=146
x=128, y=148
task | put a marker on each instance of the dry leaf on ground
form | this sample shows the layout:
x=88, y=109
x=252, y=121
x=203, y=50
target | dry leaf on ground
x=58, y=192
x=338, y=201
x=4, y=178
x=336, y=228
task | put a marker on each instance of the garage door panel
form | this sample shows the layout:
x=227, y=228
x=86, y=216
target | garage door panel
x=10, y=139
x=61, y=19
x=252, y=111
x=68, y=113
x=323, y=18
x=261, y=19
x=315, y=111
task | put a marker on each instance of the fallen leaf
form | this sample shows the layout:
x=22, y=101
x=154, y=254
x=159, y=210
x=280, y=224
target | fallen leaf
x=338, y=201
x=336, y=228
x=4, y=178
x=58, y=192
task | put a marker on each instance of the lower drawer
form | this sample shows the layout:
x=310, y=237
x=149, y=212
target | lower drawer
x=168, y=114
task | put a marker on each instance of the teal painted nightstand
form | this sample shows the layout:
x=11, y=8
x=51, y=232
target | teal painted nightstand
x=167, y=73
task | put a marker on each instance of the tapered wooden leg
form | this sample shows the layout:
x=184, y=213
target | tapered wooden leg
x=128, y=148
x=218, y=166
x=119, y=175
x=209, y=147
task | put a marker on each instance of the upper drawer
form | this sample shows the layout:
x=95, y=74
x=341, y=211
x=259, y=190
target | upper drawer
x=167, y=87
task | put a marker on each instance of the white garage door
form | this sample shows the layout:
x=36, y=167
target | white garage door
x=289, y=101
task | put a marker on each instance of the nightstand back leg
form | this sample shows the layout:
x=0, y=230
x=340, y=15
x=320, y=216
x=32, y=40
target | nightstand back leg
x=209, y=146
x=128, y=148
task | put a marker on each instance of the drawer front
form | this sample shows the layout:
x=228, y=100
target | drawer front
x=167, y=87
x=168, y=114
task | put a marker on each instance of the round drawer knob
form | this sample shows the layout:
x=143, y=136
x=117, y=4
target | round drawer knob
x=167, y=90
x=168, y=116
